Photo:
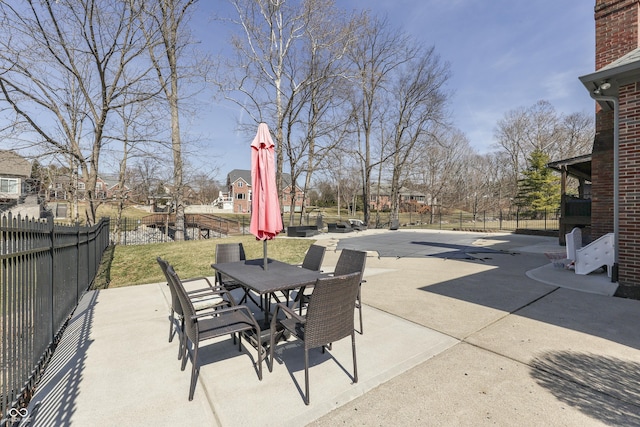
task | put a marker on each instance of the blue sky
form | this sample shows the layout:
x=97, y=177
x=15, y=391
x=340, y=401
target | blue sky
x=504, y=54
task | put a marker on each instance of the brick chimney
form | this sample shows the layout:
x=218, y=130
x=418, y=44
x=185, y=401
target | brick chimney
x=616, y=35
x=616, y=29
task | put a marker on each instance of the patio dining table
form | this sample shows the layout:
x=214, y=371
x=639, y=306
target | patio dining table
x=279, y=276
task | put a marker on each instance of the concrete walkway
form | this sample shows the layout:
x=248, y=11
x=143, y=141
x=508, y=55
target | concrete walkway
x=489, y=339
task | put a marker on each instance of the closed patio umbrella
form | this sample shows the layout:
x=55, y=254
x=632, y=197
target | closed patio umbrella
x=266, y=221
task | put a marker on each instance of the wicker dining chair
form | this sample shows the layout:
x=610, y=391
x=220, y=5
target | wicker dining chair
x=352, y=261
x=198, y=327
x=313, y=258
x=312, y=261
x=329, y=318
x=231, y=252
x=203, y=299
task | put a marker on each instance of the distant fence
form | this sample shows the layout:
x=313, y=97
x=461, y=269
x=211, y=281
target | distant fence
x=161, y=227
x=480, y=221
x=44, y=270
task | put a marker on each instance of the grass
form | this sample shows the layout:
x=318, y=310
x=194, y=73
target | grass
x=110, y=210
x=136, y=264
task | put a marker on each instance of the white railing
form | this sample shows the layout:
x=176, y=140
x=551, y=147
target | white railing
x=598, y=253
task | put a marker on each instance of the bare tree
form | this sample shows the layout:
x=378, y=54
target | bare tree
x=259, y=79
x=165, y=25
x=375, y=55
x=64, y=66
x=441, y=166
x=291, y=57
x=539, y=127
x=144, y=178
x=328, y=36
x=138, y=127
x=577, y=131
x=207, y=189
x=417, y=108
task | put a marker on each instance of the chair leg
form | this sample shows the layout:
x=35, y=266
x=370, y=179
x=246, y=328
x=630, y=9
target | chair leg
x=181, y=338
x=355, y=365
x=260, y=357
x=194, y=372
x=306, y=376
x=272, y=344
x=185, y=354
x=171, y=320
x=359, y=305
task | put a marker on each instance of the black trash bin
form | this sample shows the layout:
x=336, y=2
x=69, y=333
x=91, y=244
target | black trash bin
x=394, y=224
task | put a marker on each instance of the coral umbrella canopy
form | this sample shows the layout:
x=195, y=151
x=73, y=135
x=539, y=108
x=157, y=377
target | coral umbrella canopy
x=266, y=221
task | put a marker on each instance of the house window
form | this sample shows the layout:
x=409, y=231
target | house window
x=239, y=183
x=241, y=196
x=81, y=186
x=98, y=186
x=8, y=185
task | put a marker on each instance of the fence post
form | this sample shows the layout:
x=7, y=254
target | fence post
x=78, y=278
x=500, y=219
x=484, y=219
x=517, y=219
x=460, y=220
x=52, y=275
x=545, y=219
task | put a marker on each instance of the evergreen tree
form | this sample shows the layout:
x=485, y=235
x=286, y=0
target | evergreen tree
x=539, y=189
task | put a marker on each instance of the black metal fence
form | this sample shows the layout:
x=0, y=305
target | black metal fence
x=44, y=270
x=480, y=221
x=160, y=228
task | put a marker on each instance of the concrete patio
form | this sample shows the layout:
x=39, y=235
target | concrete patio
x=497, y=337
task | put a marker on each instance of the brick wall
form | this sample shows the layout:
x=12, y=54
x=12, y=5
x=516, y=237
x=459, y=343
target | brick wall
x=616, y=29
x=629, y=208
x=616, y=35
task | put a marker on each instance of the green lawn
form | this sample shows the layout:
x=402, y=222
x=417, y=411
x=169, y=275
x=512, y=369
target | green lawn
x=136, y=264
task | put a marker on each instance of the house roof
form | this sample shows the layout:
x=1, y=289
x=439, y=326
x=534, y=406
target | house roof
x=111, y=181
x=580, y=166
x=245, y=174
x=236, y=174
x=622, y=71
x=12, y=164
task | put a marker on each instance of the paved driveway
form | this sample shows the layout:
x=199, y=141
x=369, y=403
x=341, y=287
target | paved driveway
x=407, y=244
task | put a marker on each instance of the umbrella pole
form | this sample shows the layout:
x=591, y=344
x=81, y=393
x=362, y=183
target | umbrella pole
x=264, y=251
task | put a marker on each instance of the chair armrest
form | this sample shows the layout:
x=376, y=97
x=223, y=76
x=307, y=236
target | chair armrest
x=331, y=275
x=288, y=311
x=194, y=279
x=219, y=311
x=214, y=290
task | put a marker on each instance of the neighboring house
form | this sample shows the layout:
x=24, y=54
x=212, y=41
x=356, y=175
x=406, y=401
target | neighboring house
x=15, y=170
x=287, y=191
x=615, y=160
x=108, y=187
x=162, y=199
x=62, y=188
x=239, y=192
x=381, y=200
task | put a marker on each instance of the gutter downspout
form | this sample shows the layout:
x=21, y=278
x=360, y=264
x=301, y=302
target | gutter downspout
x=616, y=179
